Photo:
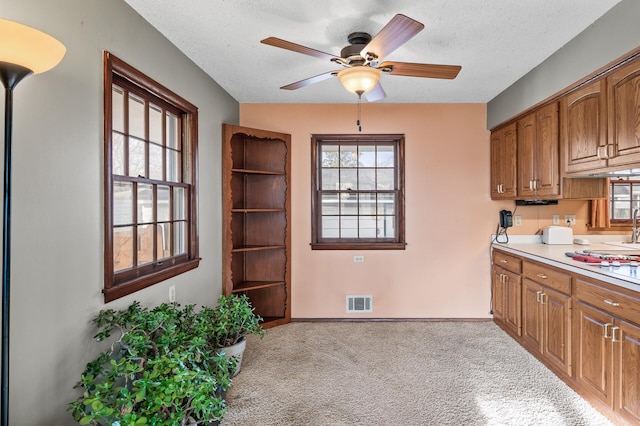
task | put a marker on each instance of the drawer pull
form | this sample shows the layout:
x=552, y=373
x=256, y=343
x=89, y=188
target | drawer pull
x=613, y=334
x=504, y=261
x=611, y=302
x=541, y=275
x=606, y=330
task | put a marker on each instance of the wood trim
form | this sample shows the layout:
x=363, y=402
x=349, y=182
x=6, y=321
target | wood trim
x=391, y=320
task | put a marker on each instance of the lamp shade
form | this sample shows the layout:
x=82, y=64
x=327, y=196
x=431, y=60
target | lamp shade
x=28, y=47
x=359, y=79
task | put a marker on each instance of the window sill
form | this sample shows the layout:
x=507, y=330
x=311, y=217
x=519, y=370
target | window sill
x=358, y=246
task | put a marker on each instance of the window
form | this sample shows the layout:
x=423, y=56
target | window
x=357, y=192
x=150, y=146
x=624, y=198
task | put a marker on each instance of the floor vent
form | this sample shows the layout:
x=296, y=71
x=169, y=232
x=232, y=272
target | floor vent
x=357, y=304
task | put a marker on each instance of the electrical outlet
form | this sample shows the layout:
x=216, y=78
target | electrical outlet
x=570, y=219
x=556, y=219
x=172, y=294
x=517, y=220
x=358, y=259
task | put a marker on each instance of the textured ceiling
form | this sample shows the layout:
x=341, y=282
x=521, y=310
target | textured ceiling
x=495, y=41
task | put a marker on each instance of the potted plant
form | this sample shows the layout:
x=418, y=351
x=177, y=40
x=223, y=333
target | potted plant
x=231, y=321
x=160, y=370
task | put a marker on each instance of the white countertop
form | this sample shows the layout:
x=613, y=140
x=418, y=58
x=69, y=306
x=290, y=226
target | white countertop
x=532, y=248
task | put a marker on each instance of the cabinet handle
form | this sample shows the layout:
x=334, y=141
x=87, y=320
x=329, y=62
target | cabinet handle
x=542, y=296
x=530, y=185
x=538, y=293
x=541, y=275
x=611, y=302
x=613, y=334
x=606, y=330
x=500, y=189
x=504, y=261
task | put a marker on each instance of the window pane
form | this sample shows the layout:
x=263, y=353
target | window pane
x=164, y=212
x=117, y=153
x=117, y=109
x=348, y=227
x=173, y=166
x=385, y=156
x=145, y=244
x=348, y=203
x=179, y=204
x=330, y=155
x=122, y=248
x=367, y=204
x=366, y=179
x=330, y=179
x=329, y=204
x=145, y=203
x=164, y=241
x=136, y=116
x=348, y=156
x=330, y=227
x=386, y=204
x=367, y=157
x=635, y=196
x=155, y=124
x=122, y=203
x=386, y=180
x=155, y=161
x=348, y=179
x=368, y=227
x=172, y=131
x=386, y=227
x=180, y=238
x=137, y=158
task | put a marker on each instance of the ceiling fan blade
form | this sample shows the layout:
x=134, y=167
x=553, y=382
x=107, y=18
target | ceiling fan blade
x=397, y=32
x=283, y=44
x=376, y=93
x=411, y=69
x=310, y=80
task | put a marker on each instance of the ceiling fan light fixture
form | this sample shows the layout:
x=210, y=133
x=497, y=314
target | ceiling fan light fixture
x=359, y=79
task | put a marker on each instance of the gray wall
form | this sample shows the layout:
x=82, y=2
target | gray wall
x=57, y=267
x=610, y=37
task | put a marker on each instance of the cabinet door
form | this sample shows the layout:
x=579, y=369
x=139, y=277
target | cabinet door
x=497, y=168
x=624, y=114
x=503, y=163
x=513, y=303
x=627, y=370
x=498, y=294
x=547, y=156
x=583, y=115
x=556, y=329
x=532, y=314
x=593, y=352
x=526, y=155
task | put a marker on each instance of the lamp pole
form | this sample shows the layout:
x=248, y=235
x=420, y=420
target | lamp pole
x=10, y=75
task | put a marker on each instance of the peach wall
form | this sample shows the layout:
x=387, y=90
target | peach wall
x=444, y=271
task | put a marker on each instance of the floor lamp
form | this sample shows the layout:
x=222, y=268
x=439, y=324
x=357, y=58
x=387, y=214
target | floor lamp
x=23, y=51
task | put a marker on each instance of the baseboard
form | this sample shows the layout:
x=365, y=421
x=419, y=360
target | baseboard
x=391, y=319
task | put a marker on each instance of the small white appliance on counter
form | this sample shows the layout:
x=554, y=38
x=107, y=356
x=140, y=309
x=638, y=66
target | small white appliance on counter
x=557, y=235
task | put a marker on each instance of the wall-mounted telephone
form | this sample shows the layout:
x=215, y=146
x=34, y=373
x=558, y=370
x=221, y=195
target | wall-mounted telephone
x=506, y=219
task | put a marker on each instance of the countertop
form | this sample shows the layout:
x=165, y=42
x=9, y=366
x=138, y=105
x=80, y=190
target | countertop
x=555, y=255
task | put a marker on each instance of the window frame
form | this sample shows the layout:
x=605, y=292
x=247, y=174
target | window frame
x=621, y=222
x=120, y=284
x=319, y=243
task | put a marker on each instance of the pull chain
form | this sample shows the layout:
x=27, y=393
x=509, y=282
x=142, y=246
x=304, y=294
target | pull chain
x=359, y=111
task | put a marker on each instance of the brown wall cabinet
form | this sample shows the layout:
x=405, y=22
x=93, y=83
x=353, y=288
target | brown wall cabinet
x=503, y=163
x=256, y=234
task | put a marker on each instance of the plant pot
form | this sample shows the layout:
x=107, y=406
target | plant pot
x=235, y=352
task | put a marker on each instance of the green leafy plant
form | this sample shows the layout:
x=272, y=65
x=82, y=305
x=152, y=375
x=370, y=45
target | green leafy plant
x=232, y=320
x=159, y=370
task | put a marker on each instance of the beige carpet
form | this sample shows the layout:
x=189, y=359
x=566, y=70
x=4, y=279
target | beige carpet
x=398, y=373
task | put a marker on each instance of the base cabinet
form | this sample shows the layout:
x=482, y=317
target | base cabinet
x=507, y=292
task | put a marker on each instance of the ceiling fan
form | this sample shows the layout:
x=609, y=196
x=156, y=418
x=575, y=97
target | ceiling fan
x=361, y=59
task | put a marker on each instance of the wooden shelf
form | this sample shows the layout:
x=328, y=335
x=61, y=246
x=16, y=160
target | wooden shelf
x=256, y=248
x=255, y=285
x=257, y=172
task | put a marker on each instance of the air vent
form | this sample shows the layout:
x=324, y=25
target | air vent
x=358, y=304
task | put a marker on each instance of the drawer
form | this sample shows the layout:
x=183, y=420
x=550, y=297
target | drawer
x=618, y=304
x=548, y=276
x=507, y=261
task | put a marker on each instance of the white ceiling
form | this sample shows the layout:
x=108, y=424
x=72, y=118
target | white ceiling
x=495, y=41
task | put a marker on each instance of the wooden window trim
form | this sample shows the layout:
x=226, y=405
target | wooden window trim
x=399, y=242
x=176, y=265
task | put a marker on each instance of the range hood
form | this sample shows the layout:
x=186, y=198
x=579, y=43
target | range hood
x=611, y=174
x=536, y=202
